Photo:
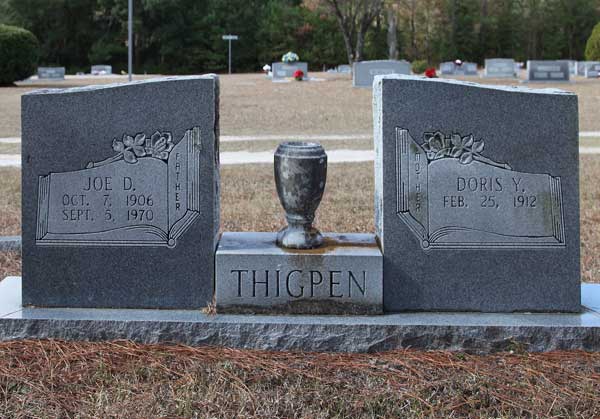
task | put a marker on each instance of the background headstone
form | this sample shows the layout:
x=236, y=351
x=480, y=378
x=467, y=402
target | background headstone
x=344, y=68
x=572, y=66
x=500, y=67
x=452, y=69
x=284, y=70
x=592, y=71
x=582, y=65
x=476, y=210
x=364, y=72
x=51, y=72
x=548, y=71
x=121, y=194
x=101, y=69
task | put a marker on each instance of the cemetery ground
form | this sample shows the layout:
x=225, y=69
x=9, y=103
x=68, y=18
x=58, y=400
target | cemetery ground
x=53, y=379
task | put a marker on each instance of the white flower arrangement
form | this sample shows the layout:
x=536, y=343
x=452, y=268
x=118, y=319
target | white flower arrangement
x=290, y=57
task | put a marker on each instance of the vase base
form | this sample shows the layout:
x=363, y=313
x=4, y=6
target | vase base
x=299, y=238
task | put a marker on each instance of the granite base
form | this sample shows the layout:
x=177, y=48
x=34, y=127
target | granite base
x=472, y=332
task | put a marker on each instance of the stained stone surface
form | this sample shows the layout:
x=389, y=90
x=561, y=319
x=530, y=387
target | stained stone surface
x=364, y=72
x=10, y=244
x=254, y=275
x=282, y=70
x=120, y=194
x=51, y=72
x=548, y=70
x=500, y=67
x=473, y=332
x=476, y=208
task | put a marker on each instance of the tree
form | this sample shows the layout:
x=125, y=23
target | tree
x=354, y=19
x=592, y=48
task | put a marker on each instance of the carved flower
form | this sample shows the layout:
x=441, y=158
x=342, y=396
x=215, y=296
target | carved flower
x=159, y=145
x=465, y=148
x=436, y=145
x=131, y=147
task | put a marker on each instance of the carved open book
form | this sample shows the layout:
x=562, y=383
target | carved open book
x=147, y=194
x=451, y=196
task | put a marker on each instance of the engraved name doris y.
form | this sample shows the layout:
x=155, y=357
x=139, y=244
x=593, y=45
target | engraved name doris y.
x=451, y=196
x=145, y=195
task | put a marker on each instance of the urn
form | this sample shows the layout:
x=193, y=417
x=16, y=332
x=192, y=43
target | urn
x=300, y=175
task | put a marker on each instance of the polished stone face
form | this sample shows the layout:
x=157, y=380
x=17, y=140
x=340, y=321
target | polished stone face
x=548, y=71
x=451, y=69
x=344, y=276
x=500, y=67
x=364, y=72
x=476, y=209
x=120, y=194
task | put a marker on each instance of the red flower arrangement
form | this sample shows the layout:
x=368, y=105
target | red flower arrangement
x=299, y=75
x=430, y=73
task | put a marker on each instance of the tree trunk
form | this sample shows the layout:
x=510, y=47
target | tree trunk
x=392, y=35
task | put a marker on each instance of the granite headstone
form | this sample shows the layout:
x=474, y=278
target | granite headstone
x=284, y=70
x=101, y=69
x=51, y=73
x=121, y=194
x=450, y=68
x=364, y=72
x=344, y=68
x=592, y=71
x=548, y=70
x=477, y=207
x=583, y=65
x=500, y=68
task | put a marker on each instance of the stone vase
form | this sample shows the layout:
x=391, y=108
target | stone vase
x=300, y=175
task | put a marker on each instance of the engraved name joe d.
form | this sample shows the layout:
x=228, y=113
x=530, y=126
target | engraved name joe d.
x=451, y=196
x=297, y=283
x=147, y=194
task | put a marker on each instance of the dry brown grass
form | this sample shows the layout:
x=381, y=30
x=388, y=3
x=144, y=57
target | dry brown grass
x=590, y=218
x=52, y=379
x=252, y=104
x=10, y=202
x=272, y=145
x=8, y=148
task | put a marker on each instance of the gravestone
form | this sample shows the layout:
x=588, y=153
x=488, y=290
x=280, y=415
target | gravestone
x=548, y=71
x=284, y=70
x=121, y=194
x=344, y=68
x=500, y=68
x=363, y=72
x=572, y=66
x=476, y=209
x=344, y=276
x=583, y=65
x=450, y=68
x=101, y=69
x=51, y=73
x=592, y=71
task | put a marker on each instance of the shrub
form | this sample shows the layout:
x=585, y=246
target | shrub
x=19, y=51
x=592, y=49
x=419, y=66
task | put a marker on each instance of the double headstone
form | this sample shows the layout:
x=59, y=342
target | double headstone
x=282, y=70
x=548, y=71
x=500, y=68
x=364, y=72
x=477, y=196
x=583, y=65
x=51, y=73
x=121, y=194
x=101, y=69
x=450, y=68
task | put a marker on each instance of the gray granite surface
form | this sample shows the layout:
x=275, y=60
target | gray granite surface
x=282, y=70
x=10, y=243
x=545, y=70
x=344, y=276
x=364, y=72
x=500, y=67
x=121, y=194
x=51, y=72
x=476, y=210
x=473, y=332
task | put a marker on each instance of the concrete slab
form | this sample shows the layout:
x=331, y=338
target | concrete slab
x=473, y=332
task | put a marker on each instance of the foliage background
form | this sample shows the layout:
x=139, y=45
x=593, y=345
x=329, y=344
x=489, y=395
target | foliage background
x=184, y=36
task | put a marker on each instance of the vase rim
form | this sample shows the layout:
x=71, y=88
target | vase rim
x=300, y=149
